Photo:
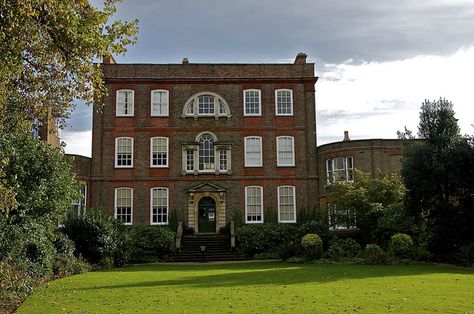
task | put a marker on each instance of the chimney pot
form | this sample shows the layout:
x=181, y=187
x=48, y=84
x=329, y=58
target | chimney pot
x=185, y=61
x=346, y=136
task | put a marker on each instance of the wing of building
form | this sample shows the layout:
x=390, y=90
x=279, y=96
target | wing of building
x=206, y=144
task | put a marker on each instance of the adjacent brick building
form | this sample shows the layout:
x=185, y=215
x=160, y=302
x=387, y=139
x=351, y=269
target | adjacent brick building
x=338, y=160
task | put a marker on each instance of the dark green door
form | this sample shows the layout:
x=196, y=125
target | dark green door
x=207, y=215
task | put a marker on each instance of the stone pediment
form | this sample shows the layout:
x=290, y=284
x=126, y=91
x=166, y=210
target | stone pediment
x=206, y=187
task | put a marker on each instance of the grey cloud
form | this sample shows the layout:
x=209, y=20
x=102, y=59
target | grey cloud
x=331, y=31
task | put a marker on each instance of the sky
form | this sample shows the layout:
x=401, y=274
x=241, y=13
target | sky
x=377, y=60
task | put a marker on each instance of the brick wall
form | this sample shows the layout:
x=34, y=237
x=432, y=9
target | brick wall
x=368, y=156
x=183, y=81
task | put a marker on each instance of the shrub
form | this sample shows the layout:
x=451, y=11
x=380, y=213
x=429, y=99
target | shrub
x=401, y=245
x=312, y=246
x=266, y=255
x=289, y=249
x=99, y=239
x=15, y=286
x=225, y=229
x=373, y=254
x=421, y=253
x=343, y=248
x=253, y=239
x=150, y=243
x=465, y=255
x=65, y=263
x=296, y=260
x=28, y=246
x=318, y=226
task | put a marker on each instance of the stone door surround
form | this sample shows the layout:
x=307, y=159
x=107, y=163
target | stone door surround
x=195, y=194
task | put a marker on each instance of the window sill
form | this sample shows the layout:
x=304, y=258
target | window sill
x=343, y=228
x=341, y=181
x=287, y=221
x=123, y=167
x=196, y=173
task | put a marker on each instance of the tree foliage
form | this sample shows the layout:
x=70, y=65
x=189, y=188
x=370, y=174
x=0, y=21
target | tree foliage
x=99, y=238
x=377, y=203
x=439, y=175
x=39, y=176
x=438, y=126
x=48, y=50
x=43, y=185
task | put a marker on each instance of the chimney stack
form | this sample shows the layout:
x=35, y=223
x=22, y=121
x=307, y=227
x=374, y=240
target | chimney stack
x=185, y=61
x=300, y=58
x=346, y=136
x=108, y=59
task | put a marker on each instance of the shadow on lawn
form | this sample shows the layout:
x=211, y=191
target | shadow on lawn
x=274, y=273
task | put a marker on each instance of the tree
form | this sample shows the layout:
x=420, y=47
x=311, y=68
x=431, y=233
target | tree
x=43, y=184
x=48, y=50
x=377, y=204
x=438, y=174
x=438, y=126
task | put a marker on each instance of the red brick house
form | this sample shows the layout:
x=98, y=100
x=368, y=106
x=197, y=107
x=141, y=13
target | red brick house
x=205, y=144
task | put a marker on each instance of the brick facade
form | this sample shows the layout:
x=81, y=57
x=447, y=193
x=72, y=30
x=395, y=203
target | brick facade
x=229, y=82
x=368, y=155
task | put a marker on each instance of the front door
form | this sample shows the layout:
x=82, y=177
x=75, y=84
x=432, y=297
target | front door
x=207, y=215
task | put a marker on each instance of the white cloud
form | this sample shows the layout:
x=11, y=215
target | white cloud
x=375, y=99
x=79, y=143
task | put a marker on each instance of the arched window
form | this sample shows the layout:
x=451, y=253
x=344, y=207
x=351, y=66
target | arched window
x=206, y=153
x=206, y=104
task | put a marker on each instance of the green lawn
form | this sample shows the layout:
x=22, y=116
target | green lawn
x=260, y=288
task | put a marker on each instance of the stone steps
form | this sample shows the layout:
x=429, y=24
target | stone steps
x=217, y=248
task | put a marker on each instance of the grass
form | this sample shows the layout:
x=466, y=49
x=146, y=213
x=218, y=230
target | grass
x=270, y=287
